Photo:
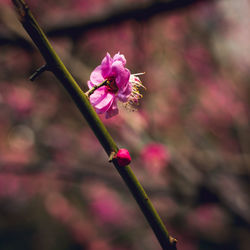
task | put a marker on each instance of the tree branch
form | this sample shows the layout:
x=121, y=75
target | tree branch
x=57, y=67
x=140, y=12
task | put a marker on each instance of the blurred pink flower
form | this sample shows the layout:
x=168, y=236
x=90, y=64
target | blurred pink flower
x=209, y=219
x=98, y=244
x=59, y=207
x=64, y=211
x=20, y=100
x=106, y=205
x=219, y=105
x=155, y=157
x=104, y=99
x=5, y=2
x=18, y=149
x=198, y=59
x=88, y=7
x=174, y=28
x=9, y=186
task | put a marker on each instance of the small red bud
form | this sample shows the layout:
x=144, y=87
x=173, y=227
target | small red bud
x=123, y=157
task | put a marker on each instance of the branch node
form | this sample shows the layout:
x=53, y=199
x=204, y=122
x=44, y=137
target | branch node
x=173, y=242
x=38, y=72
x=112, y=156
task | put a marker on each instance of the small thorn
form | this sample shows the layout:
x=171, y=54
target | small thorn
x=38, y=72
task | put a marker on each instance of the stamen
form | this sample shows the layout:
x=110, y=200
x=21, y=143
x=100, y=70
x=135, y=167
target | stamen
x=111, y=85
x=139, y=74
x=135, y=95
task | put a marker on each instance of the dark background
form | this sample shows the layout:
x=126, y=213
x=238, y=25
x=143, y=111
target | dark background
x=189, y=139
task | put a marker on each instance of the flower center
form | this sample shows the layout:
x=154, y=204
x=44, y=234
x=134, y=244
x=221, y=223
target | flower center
x=111, y=85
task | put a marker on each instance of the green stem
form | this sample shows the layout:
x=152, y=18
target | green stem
x=91, y=91
x=62, y=74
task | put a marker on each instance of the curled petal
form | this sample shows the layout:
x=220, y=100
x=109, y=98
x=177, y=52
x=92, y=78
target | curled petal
x=98, y=96
x=122, y=79
x=105, y=103
x=96, y=76
x=124, y=95
x=121, y=74
x=120, y=57
x=106, y=65
x=113, y=110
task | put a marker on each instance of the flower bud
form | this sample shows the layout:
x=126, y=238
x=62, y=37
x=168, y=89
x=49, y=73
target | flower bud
x=123, y=157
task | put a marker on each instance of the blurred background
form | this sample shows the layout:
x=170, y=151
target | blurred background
x=189, y=139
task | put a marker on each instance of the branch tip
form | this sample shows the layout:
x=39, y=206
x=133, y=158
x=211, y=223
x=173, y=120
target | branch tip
x=173, y=242
x=21, y=8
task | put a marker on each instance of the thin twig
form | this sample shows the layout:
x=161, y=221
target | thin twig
x=91, y=91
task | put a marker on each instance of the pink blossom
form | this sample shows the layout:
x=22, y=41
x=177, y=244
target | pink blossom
x=117, y=87
x=110, y=82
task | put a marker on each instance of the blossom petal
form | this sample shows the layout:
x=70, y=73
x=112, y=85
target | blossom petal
x=120, y=57
x=90, y=85
x=96, y=76
x=124, y=95
x=113, y=110
x=105, y=103
x=106, y=65
x=121, y=74
x=98, y=96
